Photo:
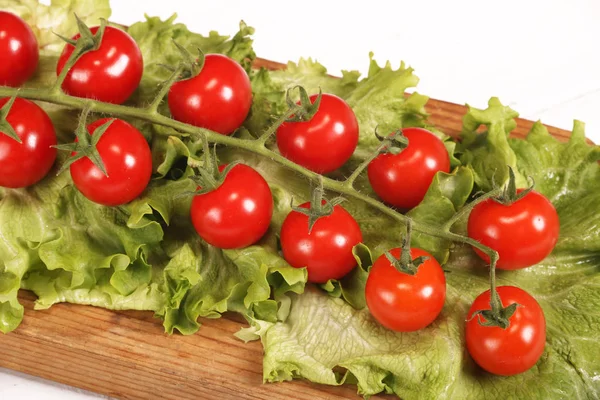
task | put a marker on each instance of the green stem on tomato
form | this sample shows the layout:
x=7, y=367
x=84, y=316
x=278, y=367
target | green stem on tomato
x=57, y=87
x=166, y=86
x=467, y=208
x=262, y=139
x=495, y=303
x=349, y=182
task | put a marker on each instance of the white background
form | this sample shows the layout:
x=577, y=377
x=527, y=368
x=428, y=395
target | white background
x=540, y=57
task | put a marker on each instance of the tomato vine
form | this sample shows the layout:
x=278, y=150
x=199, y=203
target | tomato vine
x=56, y=95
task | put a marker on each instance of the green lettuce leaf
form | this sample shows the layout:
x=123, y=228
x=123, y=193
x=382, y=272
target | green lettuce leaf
x=91, y=255
x=488, y=153
x=379, y=102
x=313, y=76
x=268, y=102
x=208, y=282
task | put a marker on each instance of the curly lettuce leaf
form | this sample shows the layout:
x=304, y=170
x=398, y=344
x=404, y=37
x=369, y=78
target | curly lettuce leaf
x=65, y=248
x=488, y=153
x=268, y=102
x=91, y=254
x=379, y=101
x=561, y=171
x=313, y=76
x=217, y=281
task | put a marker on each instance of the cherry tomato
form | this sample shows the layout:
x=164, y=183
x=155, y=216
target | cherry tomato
x=110, y=74
x=324, y=143
x=237, y=213
x=128, y=162
x=523, y=233
x=218, y=98
x=402, y=180
x=19, y=50
x=326, y=251
x=23, y=164
x=403, y=302
x=507, y=351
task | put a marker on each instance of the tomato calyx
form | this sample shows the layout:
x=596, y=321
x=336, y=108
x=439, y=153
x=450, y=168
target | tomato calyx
x=509, y=192
x=5, y=127
x=85, y=146
x=210, y=176
x=319, y=205
x=190, y=66
x=393, y=144
x=406, y=264
x=302, y=112
x=496, y=315
x=499, y=318
x=306, y=109
x=86, y=42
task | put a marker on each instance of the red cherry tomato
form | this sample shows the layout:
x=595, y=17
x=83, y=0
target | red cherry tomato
x=110, y=74
x=326, y=251
x=403, y=302
x=507, y=351
x=128, y=162
x=324, y=143
x=237, y=213
x=402, y=180
x=23, y=164
x=218, y=98
x=18, y=49
x=523, y=233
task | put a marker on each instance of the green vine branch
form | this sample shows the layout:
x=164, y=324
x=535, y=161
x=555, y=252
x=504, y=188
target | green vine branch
x=164, y=89
x=296, y=112
x=255, y=146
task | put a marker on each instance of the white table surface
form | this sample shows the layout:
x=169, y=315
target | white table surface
x=540, y=57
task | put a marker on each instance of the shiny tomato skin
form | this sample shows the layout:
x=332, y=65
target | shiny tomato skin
x=326, y=251
x=218, y=98
x=128, y=162
x=508, y=351
x=402, y=180
x=523, y=233
x=324, y=143
x=403, y=302
x=18, y=49
x=110, y=74
x=237, y=213
x=26, y=163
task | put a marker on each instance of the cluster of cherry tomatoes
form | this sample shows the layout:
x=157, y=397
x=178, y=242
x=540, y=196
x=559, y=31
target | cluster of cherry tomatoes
x=238, y=212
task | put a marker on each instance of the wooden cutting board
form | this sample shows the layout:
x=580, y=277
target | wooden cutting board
x=127, y=355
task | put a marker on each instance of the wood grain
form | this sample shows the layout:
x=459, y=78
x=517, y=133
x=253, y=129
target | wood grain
x=127, y=355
